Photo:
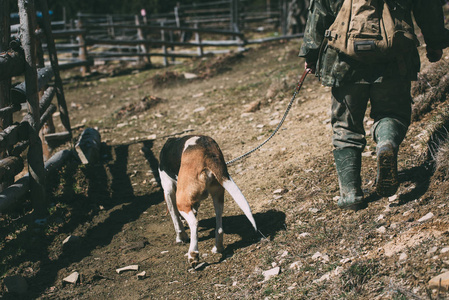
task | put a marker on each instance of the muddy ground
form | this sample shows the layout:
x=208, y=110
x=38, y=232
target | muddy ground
x=115, y=212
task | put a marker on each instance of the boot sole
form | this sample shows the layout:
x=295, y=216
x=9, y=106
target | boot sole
x=387, y=182
x=354, y=206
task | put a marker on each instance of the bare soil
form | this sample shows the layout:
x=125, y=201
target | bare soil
x=115, y=212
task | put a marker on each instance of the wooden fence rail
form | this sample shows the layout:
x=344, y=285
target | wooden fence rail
x=21, y=58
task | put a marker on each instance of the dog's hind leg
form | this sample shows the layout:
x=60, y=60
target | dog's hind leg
x=218, y=196
x=169, y=187
x=189, y=215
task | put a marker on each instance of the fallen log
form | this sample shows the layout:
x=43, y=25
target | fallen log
x=10, y=167
x=18, y=93
x=16, y=192
x=88, y=146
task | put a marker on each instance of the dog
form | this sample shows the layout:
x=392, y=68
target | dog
x=191, y=168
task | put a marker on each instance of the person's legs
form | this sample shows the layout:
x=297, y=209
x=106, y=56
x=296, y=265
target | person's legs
x=391, y=111
x=348, y=110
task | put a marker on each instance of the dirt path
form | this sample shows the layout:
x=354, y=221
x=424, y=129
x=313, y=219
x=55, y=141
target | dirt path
x=116, y=212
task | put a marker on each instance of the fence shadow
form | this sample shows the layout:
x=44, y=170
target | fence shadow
x=108, y=186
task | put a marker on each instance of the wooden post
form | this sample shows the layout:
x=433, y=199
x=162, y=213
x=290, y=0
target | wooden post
x=235, y=16
x=5, y=85
x=283, y=16
x=35, y=156
x=63, y=112
x=164, y=47
x=82, y=49
x=198, y=40
x=143, y=48
x=111, y=26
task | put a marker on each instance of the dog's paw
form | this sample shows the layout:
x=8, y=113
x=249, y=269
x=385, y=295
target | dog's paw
x=216, y=249
x=193, y=258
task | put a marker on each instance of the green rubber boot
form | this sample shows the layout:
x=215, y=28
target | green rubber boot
x=349, y=162
x=388, y=134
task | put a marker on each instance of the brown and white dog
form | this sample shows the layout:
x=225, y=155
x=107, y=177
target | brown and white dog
x=191, y=168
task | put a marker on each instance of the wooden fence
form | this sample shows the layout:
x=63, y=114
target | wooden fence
x=185, y=33
x=26, y=58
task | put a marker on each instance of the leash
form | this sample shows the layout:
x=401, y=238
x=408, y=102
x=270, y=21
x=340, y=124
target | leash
x=297, y=89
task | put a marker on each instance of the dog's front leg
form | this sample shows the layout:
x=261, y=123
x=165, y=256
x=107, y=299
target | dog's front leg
x=193, y=254
x=169, y=187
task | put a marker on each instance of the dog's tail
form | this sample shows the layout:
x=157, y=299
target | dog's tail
x=238, y=197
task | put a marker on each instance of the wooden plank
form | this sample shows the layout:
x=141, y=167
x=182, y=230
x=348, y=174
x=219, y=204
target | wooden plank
x=13, y=134
x=10, y=167
x=57, y=136
x=43, y=77
x=47, y=114
x=46, y=99
x=79, y=63
x=88, y=146
x=27, y=15
x=57, y=34
x=11, y=64
x=169, y=28
x=62, y=105
x=9, y=110
x=91, y=41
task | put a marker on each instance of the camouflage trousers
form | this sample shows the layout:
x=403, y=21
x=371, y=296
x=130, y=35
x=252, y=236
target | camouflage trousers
x=389, y=99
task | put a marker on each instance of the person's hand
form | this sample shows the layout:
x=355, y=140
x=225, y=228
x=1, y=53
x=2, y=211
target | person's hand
x=434, y=55
x=311, y=67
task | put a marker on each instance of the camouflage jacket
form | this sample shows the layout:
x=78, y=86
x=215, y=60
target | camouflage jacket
x=335, y=69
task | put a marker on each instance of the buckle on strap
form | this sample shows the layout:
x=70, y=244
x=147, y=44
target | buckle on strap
x=329, y=35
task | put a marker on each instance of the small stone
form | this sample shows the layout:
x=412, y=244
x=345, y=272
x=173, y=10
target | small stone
x=280, y=191
x=16, y=284
x=296, y=265
x=323, y=257
x=142, y=275
x=314, y=210
x=408, y=212
x=303, y=235
x=128, y=268
x=440, y=282
x=284, y=254
x=316, y=256
x=72, y=278
x=444, y=250
x=271, y=273
x=403, y=256
x=392, y=198
x=426, y=217
x=70, y=239
x=190, y=76
x=199, y=109
x=381, y=229
x=380, y=217
x=345, y=260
